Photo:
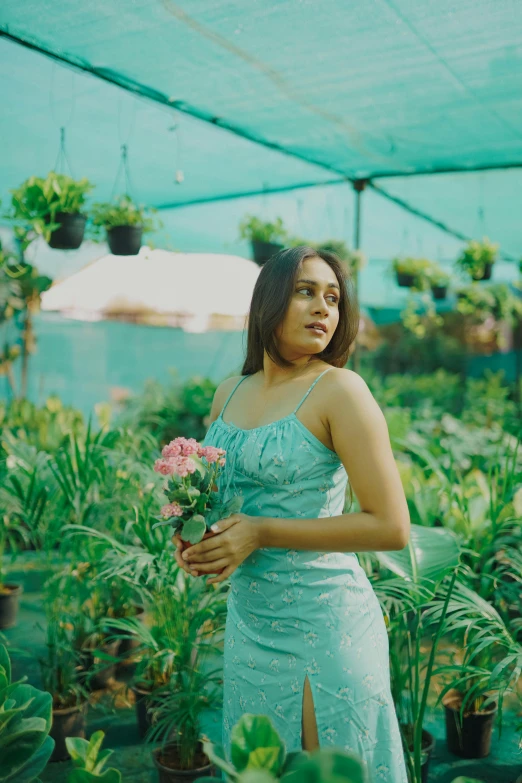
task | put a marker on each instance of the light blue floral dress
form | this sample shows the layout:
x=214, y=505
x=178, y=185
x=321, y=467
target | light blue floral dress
x=293, y=614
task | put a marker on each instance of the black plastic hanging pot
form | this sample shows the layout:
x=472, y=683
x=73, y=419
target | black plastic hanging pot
x=405, y=280
x=124, y=240
x=439, y=291
x=262, y=251
x=486, y=274
x=69, y=236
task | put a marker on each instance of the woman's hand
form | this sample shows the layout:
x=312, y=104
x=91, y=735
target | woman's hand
x=178, y=543
x=235, y=539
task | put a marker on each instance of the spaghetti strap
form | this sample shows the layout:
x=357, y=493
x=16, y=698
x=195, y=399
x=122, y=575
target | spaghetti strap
x=243, y=377
x=311, y=387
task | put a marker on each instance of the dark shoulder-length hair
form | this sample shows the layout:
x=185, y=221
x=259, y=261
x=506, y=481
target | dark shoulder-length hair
x=272, y=293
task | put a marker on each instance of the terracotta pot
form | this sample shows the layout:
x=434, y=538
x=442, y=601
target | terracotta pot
x=186, y=545
x=9, y=605
x=68, y=722
x=471, y=737
x=165, y=760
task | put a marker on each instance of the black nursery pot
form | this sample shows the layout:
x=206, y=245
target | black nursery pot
x=471, y=738
x=405, y=280
x=428, y=743
x=165, y=760
x=439, y=291
x=124, y=240
x=262, y=251
x=9, y=605
x=68, y=722
x=486, y=275
x=70, y=234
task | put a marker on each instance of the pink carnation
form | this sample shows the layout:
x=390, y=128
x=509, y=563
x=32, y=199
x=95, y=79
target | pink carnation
x=171, y=510
x=211, y=453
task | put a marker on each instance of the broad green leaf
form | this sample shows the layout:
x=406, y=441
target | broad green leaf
x=254, y=732
x=77, y=748
x=5, y=663
x=216, y=755
x=431, y=553
x=194, y=529
x=464, y=779
x=33, y=766
x=327, y=766
x=233, y=506
x=256, y=776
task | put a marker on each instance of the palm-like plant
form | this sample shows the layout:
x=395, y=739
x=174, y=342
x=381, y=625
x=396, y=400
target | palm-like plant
x=428, y=562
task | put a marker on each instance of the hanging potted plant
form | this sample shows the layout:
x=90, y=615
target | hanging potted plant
x=477, y=259
x=489, y=309
x=412, y=272
x=266, y=238
x=125, y=223
x=53, y=208
x=439, y=281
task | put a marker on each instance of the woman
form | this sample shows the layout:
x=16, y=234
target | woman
x=305, y=639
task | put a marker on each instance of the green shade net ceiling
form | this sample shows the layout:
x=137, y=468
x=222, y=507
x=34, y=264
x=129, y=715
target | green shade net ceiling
x=251, y=97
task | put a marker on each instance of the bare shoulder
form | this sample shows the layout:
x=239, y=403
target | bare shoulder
x=221, y=394
x=349, y=396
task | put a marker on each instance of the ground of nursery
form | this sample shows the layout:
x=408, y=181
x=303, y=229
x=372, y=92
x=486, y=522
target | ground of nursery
x=132, y=756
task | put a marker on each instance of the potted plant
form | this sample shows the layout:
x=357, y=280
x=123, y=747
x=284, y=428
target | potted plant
x=25, y=744
x=52, y=207
x=187, y=618
x=439, y=281
x=259, y=754
x=490, y=668
x=412, y=272
x=488, y=308
x=177, y=710
x=89, y=763
x=125, y=222
x=12, y=533
x=477, y=259
x=61, y=668
x=424, y=568
x=267, y=238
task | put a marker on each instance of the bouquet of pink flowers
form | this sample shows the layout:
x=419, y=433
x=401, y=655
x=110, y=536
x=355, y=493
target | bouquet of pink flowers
x=190, y=471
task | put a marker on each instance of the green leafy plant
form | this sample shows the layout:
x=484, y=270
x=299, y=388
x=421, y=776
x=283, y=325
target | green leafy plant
x=25, y=722
x=428, y=563
x=257, y=230
x=437, y=276
x=416, y=267
x=123, y=211
x=89, y=762
x=258, y=755
x=476, y=255
x=495, y=301
x=37, y=201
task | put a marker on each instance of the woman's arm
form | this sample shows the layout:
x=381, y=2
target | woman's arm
x=360, y=437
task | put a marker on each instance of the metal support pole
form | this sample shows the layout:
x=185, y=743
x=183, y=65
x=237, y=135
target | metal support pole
x=359, y=185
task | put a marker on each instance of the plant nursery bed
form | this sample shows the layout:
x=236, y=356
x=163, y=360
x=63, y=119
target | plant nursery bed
x=112, y=712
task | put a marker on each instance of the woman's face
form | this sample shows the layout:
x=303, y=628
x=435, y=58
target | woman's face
x=313, y=311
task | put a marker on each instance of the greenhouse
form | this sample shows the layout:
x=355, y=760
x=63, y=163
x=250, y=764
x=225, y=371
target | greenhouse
x=216, y=563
